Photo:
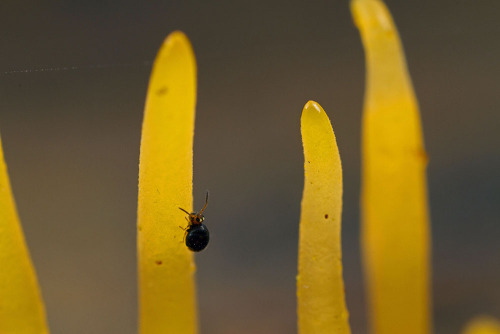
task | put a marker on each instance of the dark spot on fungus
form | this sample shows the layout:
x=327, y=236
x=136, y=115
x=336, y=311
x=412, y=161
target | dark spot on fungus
x=326, y=215
x=162, y=91
x=422, y=154
x=159, y=263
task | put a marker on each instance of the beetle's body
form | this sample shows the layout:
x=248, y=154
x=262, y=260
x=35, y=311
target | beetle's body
x=197, y=237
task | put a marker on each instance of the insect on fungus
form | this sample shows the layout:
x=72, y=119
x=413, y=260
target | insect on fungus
x=197, y=235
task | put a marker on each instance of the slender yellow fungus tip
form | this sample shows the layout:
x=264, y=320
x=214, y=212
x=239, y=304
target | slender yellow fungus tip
x=21, y=306
x=395, y=223
x=166, y=267
x=483, y=325
x=320, y=287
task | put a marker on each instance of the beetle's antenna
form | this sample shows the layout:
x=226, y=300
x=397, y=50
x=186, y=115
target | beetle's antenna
x=206, y=202
x=185, y=211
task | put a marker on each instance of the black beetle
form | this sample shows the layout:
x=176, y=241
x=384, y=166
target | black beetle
x=197, y=235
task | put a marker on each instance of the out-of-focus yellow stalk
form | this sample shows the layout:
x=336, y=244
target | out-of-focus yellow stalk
x=320, y=287
x=395, y=224
x=166, y=267
x=21, y=307
x=483, y=325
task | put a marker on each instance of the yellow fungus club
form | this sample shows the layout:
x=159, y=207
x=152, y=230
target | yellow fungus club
x=395, y=222
x=167, y=301
x=21, y=306
x=320, y=287
x=483, y=325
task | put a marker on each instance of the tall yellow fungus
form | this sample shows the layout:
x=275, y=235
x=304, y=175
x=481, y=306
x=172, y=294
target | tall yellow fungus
x=395, y=222
x=320, y=287
x=167, y=300
x=21, y=306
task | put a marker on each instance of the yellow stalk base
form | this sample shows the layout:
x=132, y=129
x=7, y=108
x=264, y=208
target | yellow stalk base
x=395, y=223
x=320, y=287
x=483, y=325
x=21, y=307
x=166, y=268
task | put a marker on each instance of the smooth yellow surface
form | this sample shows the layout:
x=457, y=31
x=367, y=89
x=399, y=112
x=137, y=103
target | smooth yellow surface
x=483, y=325
x=395, y=223
x=166, y=267
x=21, y=307
x=320, y=287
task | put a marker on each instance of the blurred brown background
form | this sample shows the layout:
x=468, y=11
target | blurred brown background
x=71, y=140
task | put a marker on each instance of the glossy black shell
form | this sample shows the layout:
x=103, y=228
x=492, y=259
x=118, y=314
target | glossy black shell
x=197, y=237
